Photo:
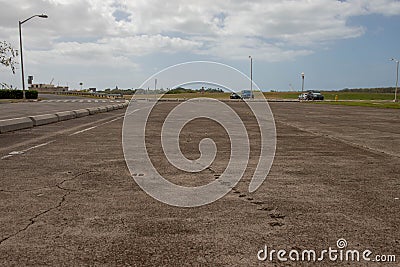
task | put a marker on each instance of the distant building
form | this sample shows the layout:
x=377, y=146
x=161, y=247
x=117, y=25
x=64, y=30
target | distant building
x=48, y=88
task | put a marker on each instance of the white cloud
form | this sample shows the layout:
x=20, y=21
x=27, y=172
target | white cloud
x=110, y=51
x=181, y=25
x=109, y=32
x=241, y=48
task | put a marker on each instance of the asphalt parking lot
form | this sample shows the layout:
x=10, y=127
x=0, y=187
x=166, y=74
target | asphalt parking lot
x=68, y=199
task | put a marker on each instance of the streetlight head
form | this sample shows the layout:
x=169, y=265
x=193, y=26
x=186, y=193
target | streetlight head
x=302, y=74
x=43, y=16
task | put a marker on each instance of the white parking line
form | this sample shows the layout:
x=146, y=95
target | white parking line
x=82, y=131
x=16, y=153
x=104, y=123
x=37, y=146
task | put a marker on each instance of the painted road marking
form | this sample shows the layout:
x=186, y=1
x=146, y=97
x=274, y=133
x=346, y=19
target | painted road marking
x=104, y=123
x=16, y=153
x=85, y=130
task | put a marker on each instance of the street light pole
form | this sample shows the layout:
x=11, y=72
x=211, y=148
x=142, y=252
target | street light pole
x=22, y=60
x=302, y=85
x=155, y=88
x=251, y=76
x=397, y=79
x=20, y=48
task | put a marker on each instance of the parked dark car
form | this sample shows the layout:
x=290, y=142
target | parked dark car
x=235, y=96
x=314, y=95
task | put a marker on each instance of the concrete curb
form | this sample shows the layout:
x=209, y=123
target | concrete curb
x=110, y=108
x=103, y=109
x=81, y=113
x=93, y=111
x=66, y=115
x=43, y=119
x=16, y=124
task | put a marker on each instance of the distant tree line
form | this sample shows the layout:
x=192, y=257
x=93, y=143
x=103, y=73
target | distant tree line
x=181, y=90
x=388, y=90
x=120, y=91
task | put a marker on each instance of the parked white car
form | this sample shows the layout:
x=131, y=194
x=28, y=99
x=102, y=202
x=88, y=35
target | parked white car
x=303, y=96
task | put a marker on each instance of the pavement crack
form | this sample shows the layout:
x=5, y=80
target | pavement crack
x=34, y=218
x=61, y=184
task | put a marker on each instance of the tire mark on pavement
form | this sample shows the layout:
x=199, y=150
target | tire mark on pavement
x=277, y=217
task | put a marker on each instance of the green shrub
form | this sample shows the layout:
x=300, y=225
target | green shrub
x=31, y=94
x=180, y=90
x=11, y=94
x=18, y=94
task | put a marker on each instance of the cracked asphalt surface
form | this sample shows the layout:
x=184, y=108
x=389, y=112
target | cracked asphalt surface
x=69, y=200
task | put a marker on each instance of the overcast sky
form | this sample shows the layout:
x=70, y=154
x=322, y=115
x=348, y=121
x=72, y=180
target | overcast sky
x=111, y=43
